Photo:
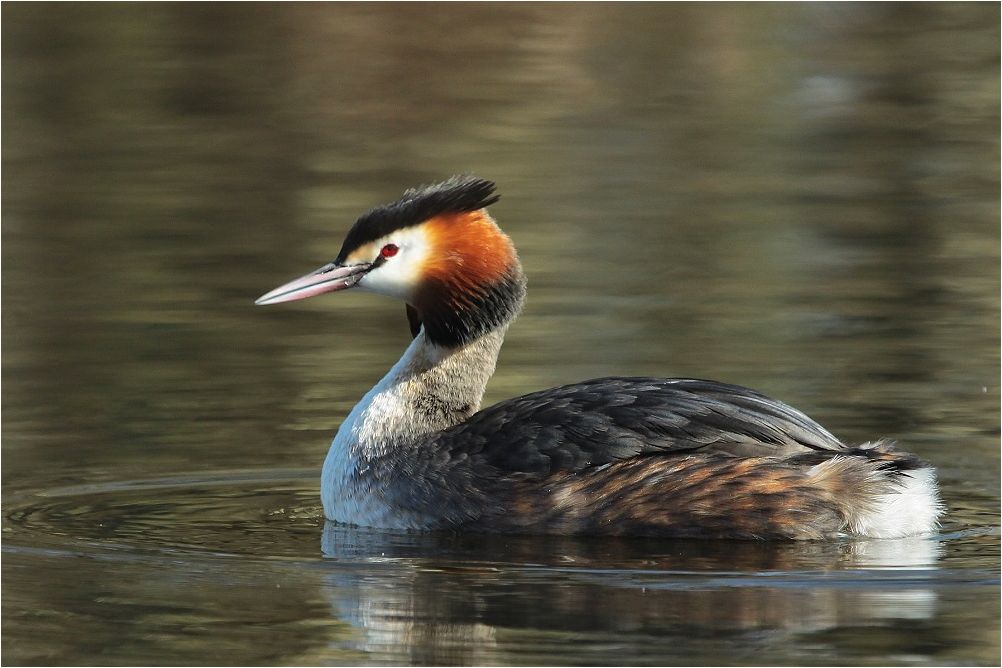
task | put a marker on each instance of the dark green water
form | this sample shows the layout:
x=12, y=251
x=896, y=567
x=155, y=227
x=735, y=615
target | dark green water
x=801, y=198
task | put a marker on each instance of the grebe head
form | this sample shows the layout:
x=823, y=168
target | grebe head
x=438, y=250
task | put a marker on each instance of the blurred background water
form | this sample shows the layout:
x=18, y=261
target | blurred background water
x=802, y=198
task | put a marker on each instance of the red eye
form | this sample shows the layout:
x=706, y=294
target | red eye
x=389, y=250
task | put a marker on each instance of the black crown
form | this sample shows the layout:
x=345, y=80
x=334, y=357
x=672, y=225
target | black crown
x=459, y=194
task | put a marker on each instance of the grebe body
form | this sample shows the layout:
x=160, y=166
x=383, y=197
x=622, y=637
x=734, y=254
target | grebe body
x=616, y=456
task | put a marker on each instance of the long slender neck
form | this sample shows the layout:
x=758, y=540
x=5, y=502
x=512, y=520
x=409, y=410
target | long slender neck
x=372, y=474
x=429, y=389
x=467, y=298
x=461, y=311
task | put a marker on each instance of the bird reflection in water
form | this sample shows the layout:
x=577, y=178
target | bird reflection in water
x=444, y=598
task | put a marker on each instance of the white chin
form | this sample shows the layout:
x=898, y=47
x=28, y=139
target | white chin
x=387, y=288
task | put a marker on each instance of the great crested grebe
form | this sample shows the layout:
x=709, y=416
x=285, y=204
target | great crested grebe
x=616, y=456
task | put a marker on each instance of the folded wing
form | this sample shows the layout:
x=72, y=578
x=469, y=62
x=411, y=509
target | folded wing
x=574, y=427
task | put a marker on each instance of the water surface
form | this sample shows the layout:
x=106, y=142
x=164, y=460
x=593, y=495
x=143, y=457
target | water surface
x=803, y=199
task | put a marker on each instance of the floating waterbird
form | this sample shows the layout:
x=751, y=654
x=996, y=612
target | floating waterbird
x=616, y=456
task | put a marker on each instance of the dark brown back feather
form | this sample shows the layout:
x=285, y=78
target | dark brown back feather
x=574, y=427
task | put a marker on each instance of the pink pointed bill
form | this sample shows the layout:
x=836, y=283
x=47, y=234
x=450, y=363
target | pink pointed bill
x=328, y=278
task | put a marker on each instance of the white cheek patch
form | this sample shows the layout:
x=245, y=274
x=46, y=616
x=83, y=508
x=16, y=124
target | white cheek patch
x=397, y=276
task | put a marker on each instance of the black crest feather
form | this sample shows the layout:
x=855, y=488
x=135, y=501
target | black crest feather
x=457, y=195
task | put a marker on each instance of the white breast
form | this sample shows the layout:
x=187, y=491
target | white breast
x=347, y=494
x=391, y=423
x=383, y=417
